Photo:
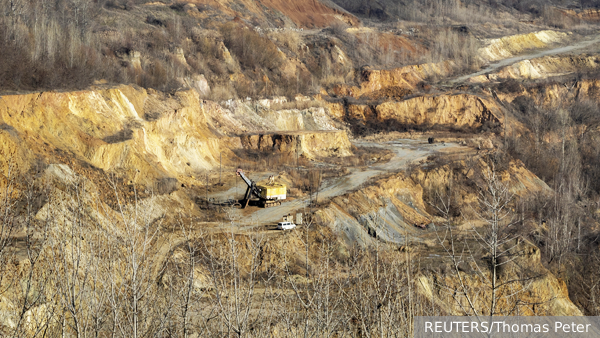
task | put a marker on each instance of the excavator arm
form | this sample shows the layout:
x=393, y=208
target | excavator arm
x=240, y=173
x=252, y=189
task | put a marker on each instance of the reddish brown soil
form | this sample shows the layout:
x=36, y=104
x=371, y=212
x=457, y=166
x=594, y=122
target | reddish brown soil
x=304, y=13
x=395, y=42
x=308, y=13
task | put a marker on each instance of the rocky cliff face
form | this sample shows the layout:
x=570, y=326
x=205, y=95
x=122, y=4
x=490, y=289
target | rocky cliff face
x=121, y=129
x=308, y=144
x=462, y=111
x=147, y=135
x=234, y=117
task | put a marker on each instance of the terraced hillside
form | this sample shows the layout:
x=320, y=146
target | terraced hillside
x=407, y=135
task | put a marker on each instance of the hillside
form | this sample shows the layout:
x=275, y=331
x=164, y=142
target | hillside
x=441, y=155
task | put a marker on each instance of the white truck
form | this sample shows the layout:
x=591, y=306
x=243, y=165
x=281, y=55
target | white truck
x=285, y=225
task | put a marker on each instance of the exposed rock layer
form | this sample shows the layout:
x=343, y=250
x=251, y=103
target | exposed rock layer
x=462, y=111
x=147, y=135
x=308, y=144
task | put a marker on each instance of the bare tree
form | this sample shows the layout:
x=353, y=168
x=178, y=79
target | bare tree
x=8, y=205
x=135, y=248
x=29, y=286
x=315, y=308
x=488, y=252
x=76, y=246
x=235, y=268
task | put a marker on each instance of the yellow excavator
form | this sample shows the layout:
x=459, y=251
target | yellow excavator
x=269, y=194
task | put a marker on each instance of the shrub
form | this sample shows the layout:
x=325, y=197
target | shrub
x=221, y=92
x=167, y=185
x=120, y=4
x=178, y=6
x=289, y=39
x=151, y=19
x=251, y=49
x=120, y=136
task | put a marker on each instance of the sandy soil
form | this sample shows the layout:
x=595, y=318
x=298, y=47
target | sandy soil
x=507, y=62
x=405, y=152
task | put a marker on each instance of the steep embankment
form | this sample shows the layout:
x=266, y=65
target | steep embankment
x=578, y=45
x=508, y=46
x=392, y=207
x=306, y=143
x=461, y=111
x=440, y=281
x=407, y=78
x=234, y=117
x=146, y=135
x=520, y=181
x=544, y=67
x=120, y=129
x=452, y=111
x=554, y=94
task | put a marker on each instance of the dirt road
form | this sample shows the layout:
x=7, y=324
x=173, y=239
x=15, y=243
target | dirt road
x=405, y=152
x=507, y=62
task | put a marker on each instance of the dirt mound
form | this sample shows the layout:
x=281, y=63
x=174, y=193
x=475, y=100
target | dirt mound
x=387, y=210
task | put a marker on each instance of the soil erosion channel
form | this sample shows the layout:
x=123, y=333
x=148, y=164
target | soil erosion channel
x=405, y=152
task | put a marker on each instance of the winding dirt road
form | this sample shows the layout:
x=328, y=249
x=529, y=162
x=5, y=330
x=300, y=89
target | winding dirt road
x=405, y=152
x=507, y=62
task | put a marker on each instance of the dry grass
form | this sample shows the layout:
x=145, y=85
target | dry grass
x=288, y=38
x=331, y=79
x=297, y=104
x=222, y=92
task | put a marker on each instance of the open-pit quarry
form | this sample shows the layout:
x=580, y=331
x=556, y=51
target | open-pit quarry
x=406, y=174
